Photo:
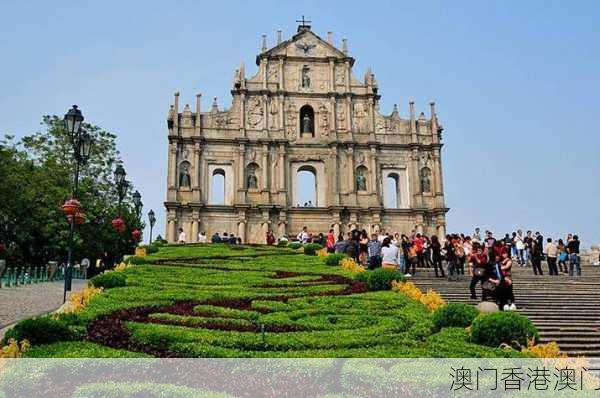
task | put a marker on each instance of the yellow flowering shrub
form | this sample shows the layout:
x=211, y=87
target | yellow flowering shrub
x=349, y=264
x=432, y=299
x=14, y=349
x=140, y=251
x=121, y=267
x=80, y=299
x=322, y=253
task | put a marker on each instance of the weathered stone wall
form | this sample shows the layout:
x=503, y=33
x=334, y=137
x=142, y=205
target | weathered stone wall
x=258, y=146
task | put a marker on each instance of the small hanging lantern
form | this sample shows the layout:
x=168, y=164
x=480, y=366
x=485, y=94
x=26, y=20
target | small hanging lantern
x=70, y=207
x=118, y=224
x=136, y=235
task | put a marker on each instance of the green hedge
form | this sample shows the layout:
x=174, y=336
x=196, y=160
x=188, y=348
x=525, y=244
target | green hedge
x=502, y=327
x=334, y=259
x=109, y=280
x=310, y=249
x=42, y=330
x=381, y=279
x=295, y=245
x=135, y=260
x=282, y=243
x=454, y=315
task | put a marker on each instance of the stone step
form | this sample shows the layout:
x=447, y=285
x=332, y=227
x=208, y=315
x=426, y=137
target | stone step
x=564, y=309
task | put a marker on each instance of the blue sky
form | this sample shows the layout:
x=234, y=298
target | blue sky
x=516, y=84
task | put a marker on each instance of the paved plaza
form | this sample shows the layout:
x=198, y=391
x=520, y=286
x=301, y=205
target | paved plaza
x=25, y=301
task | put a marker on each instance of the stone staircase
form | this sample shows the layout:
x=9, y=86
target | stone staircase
x=564, y=309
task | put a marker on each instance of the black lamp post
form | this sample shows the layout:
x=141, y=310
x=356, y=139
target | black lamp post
x=152, y=220
x=137, y=202
x=81, y=143
x=121, y=185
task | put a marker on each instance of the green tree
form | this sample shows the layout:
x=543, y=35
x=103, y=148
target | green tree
x=37, y=174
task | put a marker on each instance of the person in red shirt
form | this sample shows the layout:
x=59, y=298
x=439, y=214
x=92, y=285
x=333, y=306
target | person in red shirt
x=478, y=262
x=270, y=238
x=330, y=241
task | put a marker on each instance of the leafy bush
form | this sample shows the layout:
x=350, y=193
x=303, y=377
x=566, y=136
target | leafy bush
x=381, y=279
x=282, y=243
x=42, y=330
x=502, y=327
x=109, y=280
x=334, y=259
x=295, y=245
x=310, y=249
x=135, y=260
x=151, y=249
x=454, y=315
x=362, y=277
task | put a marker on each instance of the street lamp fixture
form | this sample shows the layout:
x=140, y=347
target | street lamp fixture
x=137, y=202
x=152, y=220
x=81, y=143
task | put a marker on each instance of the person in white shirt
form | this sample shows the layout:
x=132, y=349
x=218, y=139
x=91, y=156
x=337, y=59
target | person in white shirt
x=303, y=236
x=202, y=237
x=182, y=236
x=381, y=235
x=389, y=254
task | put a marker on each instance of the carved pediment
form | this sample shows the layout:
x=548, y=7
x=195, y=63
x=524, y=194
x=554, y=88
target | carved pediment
x=305, y=44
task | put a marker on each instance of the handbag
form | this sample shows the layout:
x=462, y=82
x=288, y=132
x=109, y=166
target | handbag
x=487, y=285
x=563, y=256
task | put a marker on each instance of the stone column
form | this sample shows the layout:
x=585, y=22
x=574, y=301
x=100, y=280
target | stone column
x=265, y=121
x=195, y=222
x=196, y=177
x=281, y=82
x=265, y=223
x=265, y=167
x=414, y=180
x=243, y=114
x=240, y=173
x=281, y=112
x=371, y=125
x=373, y=169
x=441, y=231
x=282, y=224
x=347, y=73
x=282, y=167
x=263, y=72
x=331, y=75
x=172, y=171
x=350, y=169
x=353, y=221
x=348, y=113
x=241, y=232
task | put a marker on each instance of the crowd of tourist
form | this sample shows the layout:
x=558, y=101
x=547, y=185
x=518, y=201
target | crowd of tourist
x=487, y=260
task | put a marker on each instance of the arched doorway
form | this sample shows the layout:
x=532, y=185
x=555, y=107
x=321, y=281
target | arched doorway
x=391, y=199
x=217, y=187
x=306, y=187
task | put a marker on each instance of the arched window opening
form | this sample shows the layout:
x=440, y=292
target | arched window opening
x=217, y=187
x=185, y=181
x=392, y=191
x=425, y=179
x=307, y=121
x=361, y=178
x=307, y=187
x=252, y=176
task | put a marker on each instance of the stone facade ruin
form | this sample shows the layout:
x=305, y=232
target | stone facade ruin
x=303, y=111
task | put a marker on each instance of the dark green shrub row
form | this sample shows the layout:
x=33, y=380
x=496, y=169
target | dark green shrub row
x=454, y=315
x=502, y=327
x=310, y=249
x=282, y=243
x=379, y=279
x=109, y=280
x=42, y=330
x=334, y=259
x=135, y=260
x=295, y=245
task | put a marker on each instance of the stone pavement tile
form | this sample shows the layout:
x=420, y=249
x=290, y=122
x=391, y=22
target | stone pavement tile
x=25, y=301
